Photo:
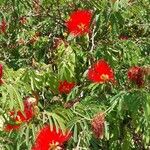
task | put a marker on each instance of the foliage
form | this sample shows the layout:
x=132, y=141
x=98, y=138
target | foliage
x=34, y=63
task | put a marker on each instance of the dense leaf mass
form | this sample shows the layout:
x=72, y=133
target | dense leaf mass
x=74, y=75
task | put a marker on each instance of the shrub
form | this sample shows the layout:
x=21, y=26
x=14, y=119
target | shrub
x=75, y=73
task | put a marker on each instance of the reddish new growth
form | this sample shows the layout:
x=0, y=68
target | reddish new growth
x=1, y=74
x=48, y=139
x=136, y=75
x=3, y=26
x=17, y=118
x=21, y=41
x=79, y=22
x=34, y=38
x=23, y=20
x=58, y=41
x=101, y=72
x=123, y=37
x=98, y=126
x=65, y=87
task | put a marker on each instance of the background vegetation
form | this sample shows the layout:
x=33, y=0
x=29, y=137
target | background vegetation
x=37, y=52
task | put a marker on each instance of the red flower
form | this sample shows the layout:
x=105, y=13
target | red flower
x=10, y=127
x=79, y=22
x=18, y=118
x=48, y=139
x=101, y=72
x=3, y=26
x=65, y=87
x=1, y=74
x=98, y=126
x=136, y=74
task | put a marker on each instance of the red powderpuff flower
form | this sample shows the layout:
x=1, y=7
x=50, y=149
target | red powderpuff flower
x=65, y=87
x=3, y=26
x=48, y=139
x=136, y=75
x=79, y=22
x=20, y=117
x=101, y=72
x=98, y=125
x=17, y=119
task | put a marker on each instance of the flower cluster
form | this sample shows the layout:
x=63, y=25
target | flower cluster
x=97, y=124
x=17, y=118
x=48, y=139
x=65, y=87
x=79, y=22
x=3, y=26
x=101, y=72
x=136, y=75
